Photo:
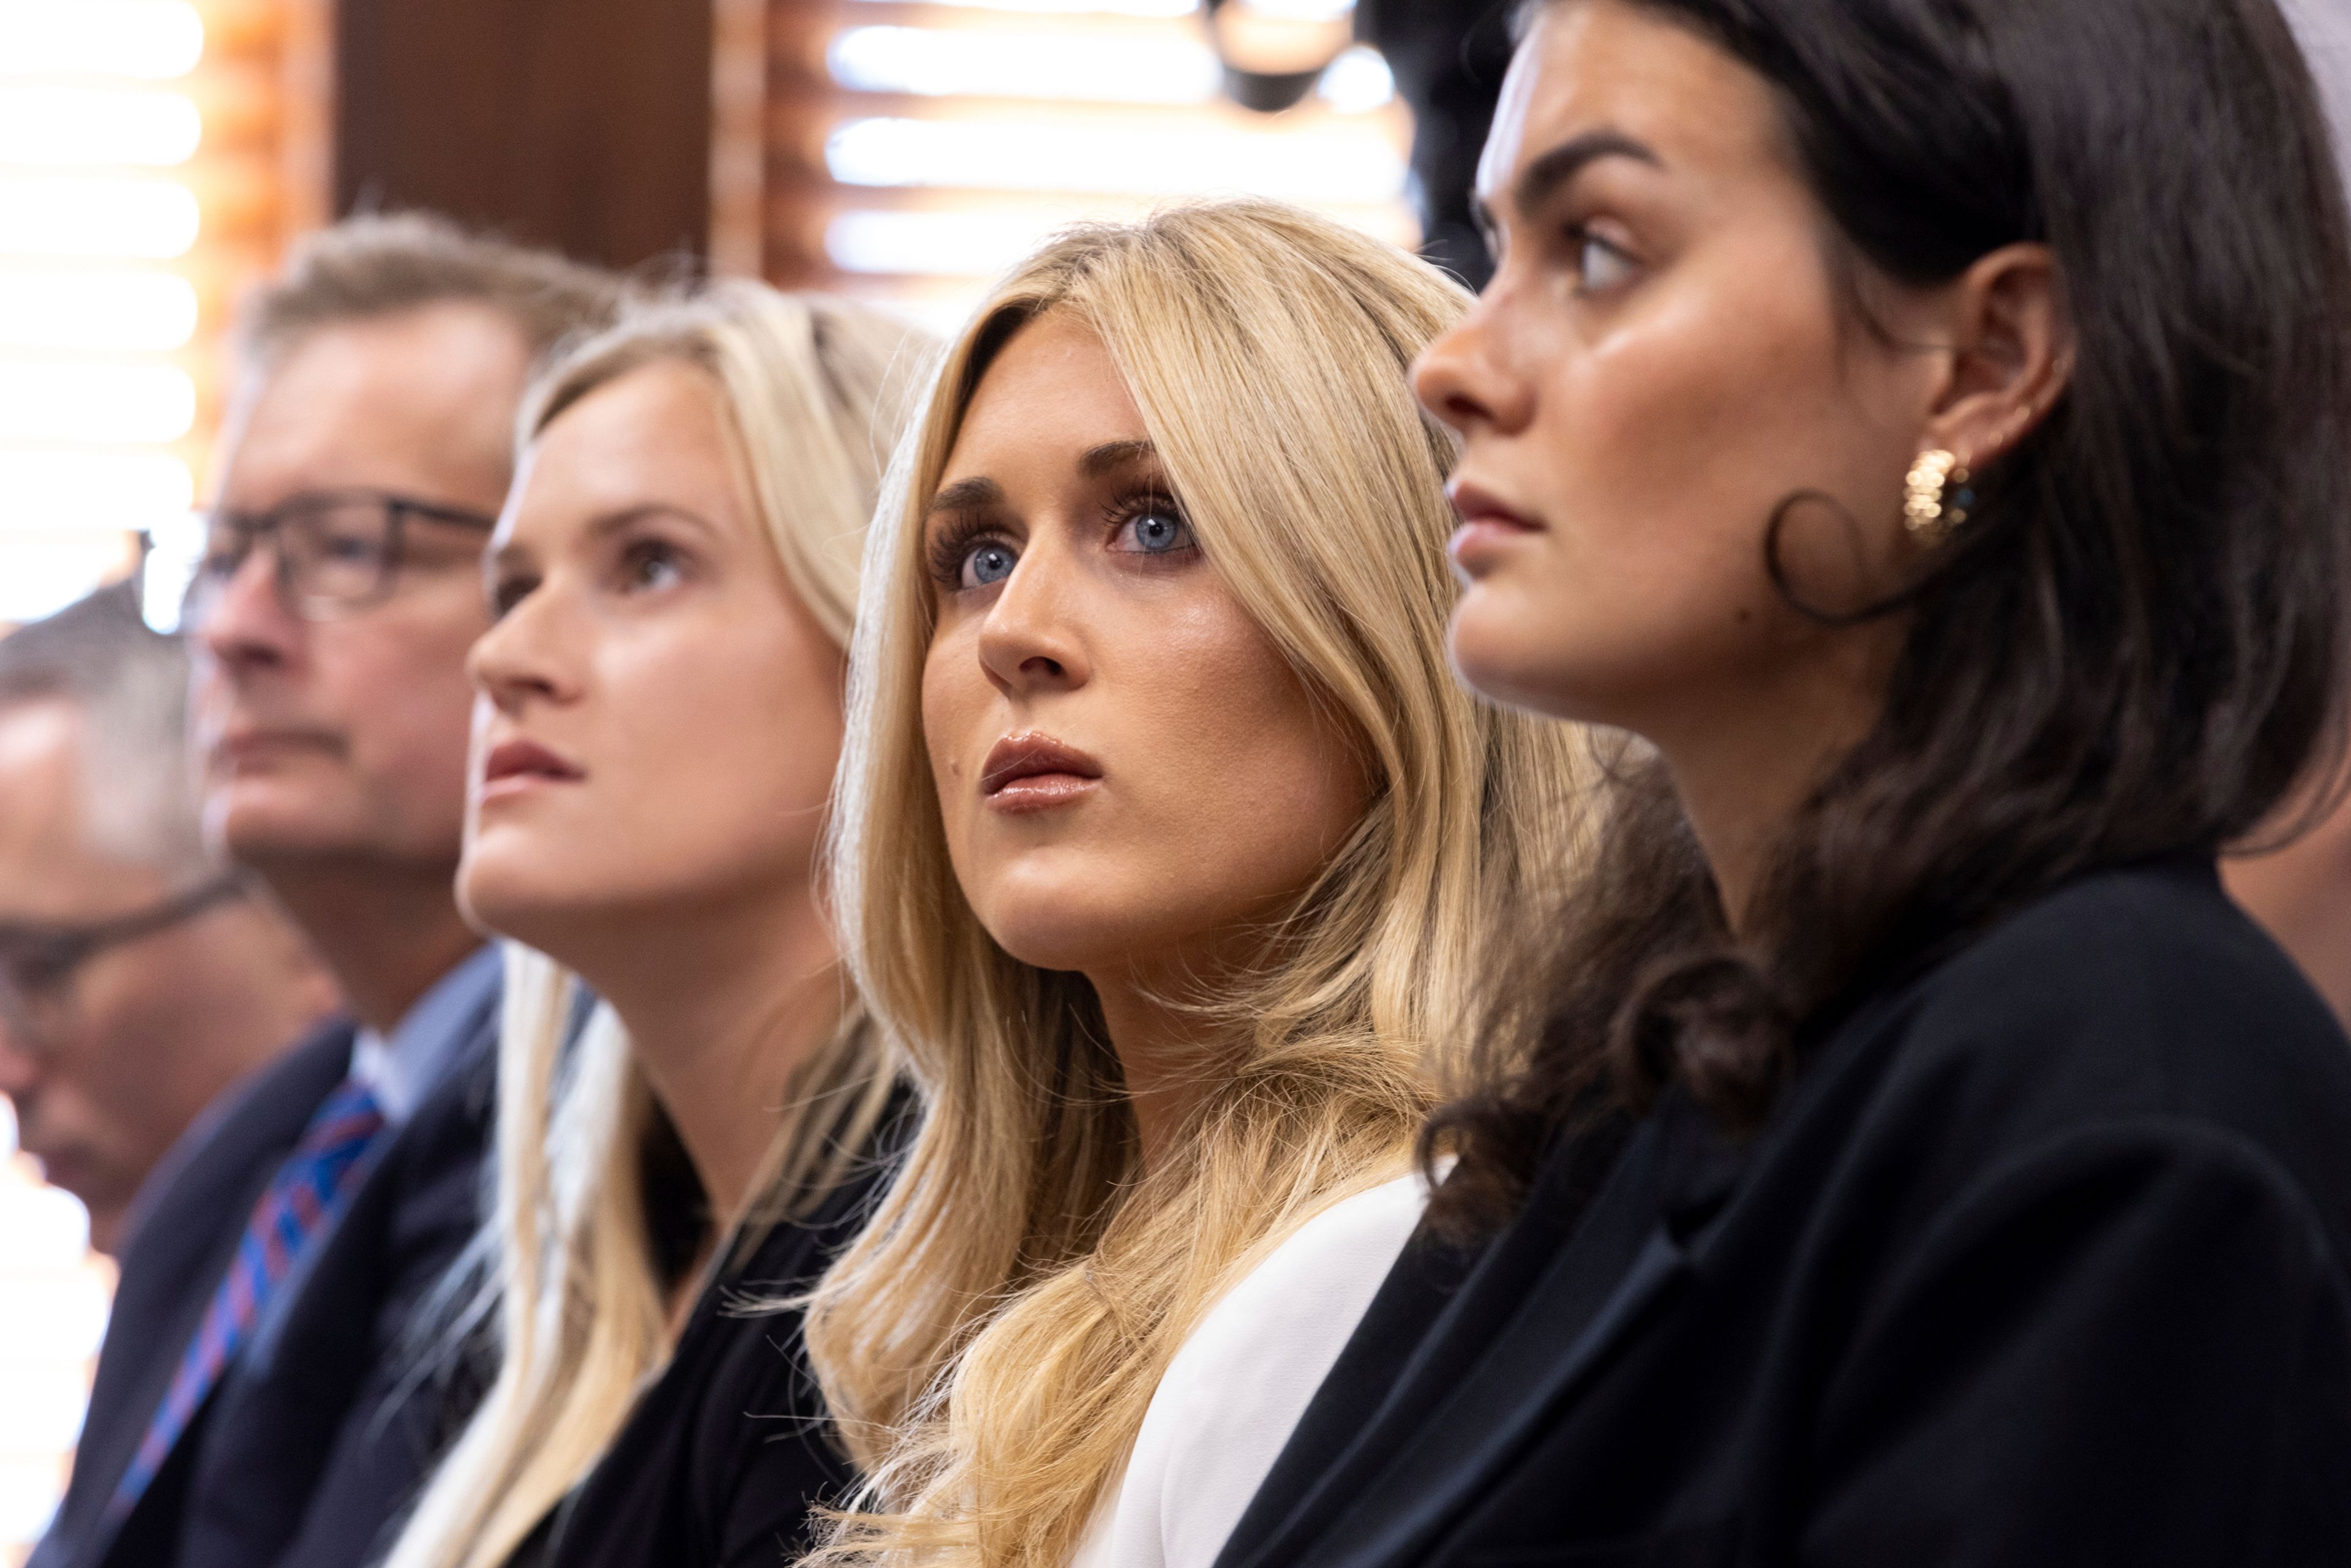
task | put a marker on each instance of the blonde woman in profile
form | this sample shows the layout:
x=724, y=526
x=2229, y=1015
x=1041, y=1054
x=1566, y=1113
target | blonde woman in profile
x=675, y=580
x=1166, y=843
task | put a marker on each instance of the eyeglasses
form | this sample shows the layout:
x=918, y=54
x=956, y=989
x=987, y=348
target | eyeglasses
x=337, y=551
x=38, y=963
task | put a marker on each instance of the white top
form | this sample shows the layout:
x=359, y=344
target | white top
x=1231, y=1396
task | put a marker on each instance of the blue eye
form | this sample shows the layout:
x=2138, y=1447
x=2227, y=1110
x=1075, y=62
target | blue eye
x=1156, y=532
x=989, y=561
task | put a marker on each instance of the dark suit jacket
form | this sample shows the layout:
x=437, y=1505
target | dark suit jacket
x=319, y=1436
x=185, y=1224
x=2042, y=1260
x=728, y=1451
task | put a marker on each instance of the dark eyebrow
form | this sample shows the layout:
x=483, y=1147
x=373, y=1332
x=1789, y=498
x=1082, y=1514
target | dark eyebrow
x=1563, y=163
x=1114, y=454
x=966, y=495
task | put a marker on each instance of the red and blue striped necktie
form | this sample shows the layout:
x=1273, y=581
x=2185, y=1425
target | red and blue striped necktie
x=307, y=1192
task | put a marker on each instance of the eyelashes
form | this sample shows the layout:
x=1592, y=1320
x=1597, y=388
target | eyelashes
x=950, y=547
x=944, y=555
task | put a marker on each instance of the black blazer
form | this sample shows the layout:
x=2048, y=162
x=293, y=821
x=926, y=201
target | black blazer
x=2042, y=1260
x=321, y=1433
x=723, y=1458
x=189, y=1216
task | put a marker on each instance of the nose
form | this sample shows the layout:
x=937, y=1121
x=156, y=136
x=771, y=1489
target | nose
x=247, y=627
x=1029, y=641
x=20, y=1066
x=527, y=655
x=1466, y=379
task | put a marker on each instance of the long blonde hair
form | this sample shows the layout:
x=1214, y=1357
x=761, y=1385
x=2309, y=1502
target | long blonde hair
x=990, y=1343
x=811, y=395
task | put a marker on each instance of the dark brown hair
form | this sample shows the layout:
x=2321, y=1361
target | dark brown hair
x=2133, y=650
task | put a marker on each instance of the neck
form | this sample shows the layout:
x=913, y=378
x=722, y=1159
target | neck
x=1159, y=1056
x=723, y=1009
x=1744, y=765
x=385, y=931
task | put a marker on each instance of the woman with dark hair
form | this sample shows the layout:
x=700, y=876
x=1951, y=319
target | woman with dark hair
x=1923, y=427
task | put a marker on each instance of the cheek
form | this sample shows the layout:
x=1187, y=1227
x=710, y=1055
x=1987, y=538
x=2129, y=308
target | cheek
x=1256, y=785
x=415, y=744
x=955, y=700
x=711, y=755
x=125, y=1011
x=1658, y=458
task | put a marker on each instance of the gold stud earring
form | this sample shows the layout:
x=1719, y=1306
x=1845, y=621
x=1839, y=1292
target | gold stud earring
x=1924, y=511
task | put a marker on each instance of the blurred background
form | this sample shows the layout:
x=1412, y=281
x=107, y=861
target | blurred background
x=157, y=155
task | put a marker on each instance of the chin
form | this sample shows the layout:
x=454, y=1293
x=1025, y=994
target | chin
x=502, y=899
x=106, y=1228
x=258, y=824
x=1058, y=929
x=1500, y=652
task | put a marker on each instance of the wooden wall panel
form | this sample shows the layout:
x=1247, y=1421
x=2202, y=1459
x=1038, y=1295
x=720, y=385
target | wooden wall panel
x=581, y=124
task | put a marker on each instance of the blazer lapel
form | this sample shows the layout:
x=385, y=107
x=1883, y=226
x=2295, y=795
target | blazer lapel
x=192, y=1211
x=1448, y=1400
x=1436, y=1479
x=354, y=1241
x=1448, y=1430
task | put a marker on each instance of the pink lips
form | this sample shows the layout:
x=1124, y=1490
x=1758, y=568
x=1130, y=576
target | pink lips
x=1034, y=772
x=516, y=766
x=1488, y=525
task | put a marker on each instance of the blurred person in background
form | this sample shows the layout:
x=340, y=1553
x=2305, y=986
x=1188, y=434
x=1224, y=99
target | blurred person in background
x=1449, y=58
x=675, y=583
x=139, y=976
x=369, y=445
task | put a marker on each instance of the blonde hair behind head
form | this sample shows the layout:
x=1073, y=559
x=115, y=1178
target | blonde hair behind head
x=990, y=1343
x=810, y=391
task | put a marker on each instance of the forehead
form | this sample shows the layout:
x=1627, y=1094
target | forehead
x=1052, y=393
x=423, y=401
x=50, y=868
x=654, y=435
x=1600, y=65
x=40, y=749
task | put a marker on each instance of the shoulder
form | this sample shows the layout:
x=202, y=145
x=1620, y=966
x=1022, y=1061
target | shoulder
x=241, y=1136
x=1236, y=1389
x=1350, y=1245
x=2137, y=999
x=756, y=1440
x=2143, y=989
x=1291, y=1314
x=747, y=1389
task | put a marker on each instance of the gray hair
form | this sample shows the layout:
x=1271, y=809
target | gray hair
x=129, y=687
x=388, y=264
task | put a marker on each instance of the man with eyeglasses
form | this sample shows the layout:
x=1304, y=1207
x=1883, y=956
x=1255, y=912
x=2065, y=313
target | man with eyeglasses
x=139, y=975
x=369, y=445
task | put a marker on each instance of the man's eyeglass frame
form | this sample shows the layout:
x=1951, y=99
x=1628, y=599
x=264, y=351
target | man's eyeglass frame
x=252, y=527
x=58, y=952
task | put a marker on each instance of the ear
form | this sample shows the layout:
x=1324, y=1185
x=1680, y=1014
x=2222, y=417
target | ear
x=2012, y=355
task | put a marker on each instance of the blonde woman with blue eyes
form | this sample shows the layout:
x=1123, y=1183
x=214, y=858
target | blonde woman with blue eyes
x=674, y=580
x=1166, y=844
